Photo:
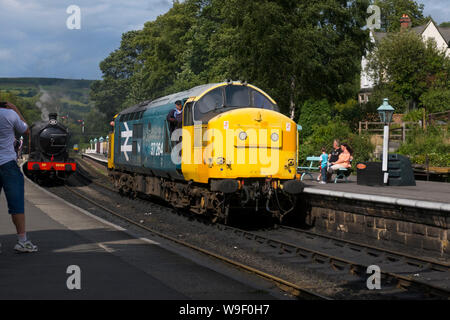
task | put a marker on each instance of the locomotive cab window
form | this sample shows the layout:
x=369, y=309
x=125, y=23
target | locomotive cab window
x=213, y=100
x=229, y=97
x=260, y=101
x=237, y=96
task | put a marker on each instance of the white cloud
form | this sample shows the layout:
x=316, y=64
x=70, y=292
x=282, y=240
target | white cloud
x=5, y=54
x=34, y=39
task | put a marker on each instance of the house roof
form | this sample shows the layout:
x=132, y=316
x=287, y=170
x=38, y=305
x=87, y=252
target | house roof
x=445, y=32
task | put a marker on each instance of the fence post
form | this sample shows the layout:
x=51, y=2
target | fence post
x=403, y=132
x=359, y=130
x=425, y=120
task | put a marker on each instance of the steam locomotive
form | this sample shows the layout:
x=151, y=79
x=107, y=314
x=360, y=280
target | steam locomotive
x=48, y=154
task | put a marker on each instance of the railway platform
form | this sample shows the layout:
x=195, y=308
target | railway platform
x=434, y=194
x=97, y=157
x=113, y=263
x=411, y=217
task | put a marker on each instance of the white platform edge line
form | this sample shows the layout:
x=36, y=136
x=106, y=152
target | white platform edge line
x=76, y=207
x=382, y=199
x=93, y=158
x=87, y=213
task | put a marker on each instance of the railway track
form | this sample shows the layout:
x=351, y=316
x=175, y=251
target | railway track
x=284, y=285
x=409, y=273
x=417, y=275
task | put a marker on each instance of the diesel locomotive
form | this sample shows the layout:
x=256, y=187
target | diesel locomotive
x=48, y=154
x=234, y=150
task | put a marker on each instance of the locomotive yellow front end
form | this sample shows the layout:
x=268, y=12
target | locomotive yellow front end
x=249, y=143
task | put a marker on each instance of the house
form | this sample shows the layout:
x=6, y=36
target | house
x=430, y=30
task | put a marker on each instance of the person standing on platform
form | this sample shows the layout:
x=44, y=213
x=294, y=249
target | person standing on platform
x=11, y=178
x=323, y=166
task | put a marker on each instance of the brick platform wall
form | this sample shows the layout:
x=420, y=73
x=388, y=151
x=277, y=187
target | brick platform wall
x=415, y=228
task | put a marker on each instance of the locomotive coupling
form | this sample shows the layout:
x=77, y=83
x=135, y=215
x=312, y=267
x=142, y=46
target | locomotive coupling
x=293, y=187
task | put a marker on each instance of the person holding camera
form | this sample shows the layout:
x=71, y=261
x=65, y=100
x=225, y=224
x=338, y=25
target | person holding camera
x=11, y=178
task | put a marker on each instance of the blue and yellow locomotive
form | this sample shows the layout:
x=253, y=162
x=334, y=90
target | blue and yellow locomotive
x=234, y=150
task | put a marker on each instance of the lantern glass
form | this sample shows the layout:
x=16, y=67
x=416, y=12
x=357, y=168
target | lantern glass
x=386, y=112
x=382, y=116
x=389, y=115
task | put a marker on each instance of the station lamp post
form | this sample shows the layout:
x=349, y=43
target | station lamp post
x=386, y=112
x=95, y=145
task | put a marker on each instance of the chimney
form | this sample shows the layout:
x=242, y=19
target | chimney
x=405, y=22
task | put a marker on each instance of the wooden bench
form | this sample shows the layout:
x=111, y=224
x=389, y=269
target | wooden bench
x=312, y=167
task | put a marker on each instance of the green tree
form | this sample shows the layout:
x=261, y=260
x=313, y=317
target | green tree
x=407, y=67
x=300, y=50
x=294, y=50
x=26, y=106
x=436, y=100
x=393, y=10
x=110, y=94
x=445, y=24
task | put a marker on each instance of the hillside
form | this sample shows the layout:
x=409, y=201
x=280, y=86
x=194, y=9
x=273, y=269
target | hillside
x=67, y=97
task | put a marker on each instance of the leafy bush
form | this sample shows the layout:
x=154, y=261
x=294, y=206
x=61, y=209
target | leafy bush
x=435, y=142
x=314, y=112
x=324, y=135
x=436, y=100
x=414, y=115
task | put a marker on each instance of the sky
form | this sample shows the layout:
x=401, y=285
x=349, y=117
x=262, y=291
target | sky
x=36, y=42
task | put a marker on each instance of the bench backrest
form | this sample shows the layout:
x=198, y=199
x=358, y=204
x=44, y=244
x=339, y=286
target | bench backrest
x=313, y=159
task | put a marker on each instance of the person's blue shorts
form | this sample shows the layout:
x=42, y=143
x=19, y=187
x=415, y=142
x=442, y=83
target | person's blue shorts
x=11, y=180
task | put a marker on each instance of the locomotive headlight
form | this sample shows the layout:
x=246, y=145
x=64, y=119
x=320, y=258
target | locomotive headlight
x=243, y=135
x=274, y=136
x=220, y=161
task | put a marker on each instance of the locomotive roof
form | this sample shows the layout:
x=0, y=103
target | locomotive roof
x=194, y=92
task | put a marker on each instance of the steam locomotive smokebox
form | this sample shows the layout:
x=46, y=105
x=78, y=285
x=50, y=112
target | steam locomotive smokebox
x=369, y=174
x=400, y=171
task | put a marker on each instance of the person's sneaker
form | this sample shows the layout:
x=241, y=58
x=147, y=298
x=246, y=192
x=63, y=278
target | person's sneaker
x=322, y=182
x=26, y=246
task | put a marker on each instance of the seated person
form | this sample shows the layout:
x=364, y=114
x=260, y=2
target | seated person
x=343, y=161
x=334, y=155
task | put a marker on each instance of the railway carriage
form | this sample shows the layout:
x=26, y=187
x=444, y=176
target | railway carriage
x=234, y=150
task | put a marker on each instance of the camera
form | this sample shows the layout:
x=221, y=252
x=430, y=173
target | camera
x=3, y=104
